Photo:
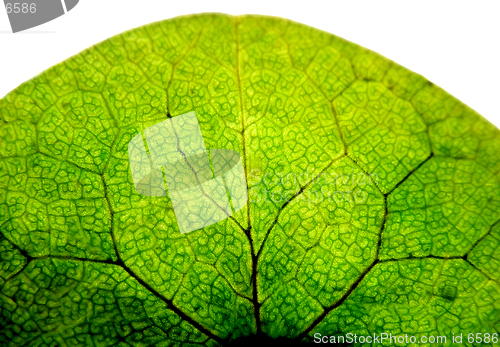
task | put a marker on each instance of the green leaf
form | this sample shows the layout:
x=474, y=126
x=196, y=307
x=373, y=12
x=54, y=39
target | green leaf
x=374, y=195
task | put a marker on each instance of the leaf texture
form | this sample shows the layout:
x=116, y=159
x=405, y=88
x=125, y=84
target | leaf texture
x=374, y=194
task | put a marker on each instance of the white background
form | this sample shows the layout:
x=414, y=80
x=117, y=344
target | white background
x=455, y=44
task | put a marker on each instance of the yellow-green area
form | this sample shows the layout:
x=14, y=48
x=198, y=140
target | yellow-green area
x=374, y=196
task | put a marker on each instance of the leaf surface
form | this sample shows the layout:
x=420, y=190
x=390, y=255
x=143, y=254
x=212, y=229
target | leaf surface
x=374, y=194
